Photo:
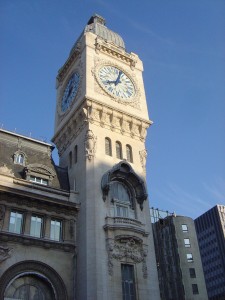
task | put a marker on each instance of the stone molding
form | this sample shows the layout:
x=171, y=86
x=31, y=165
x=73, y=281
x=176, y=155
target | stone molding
x=67, y=209
x=128, y=248
x=101, y=115
x=115, y=52
x=38, y=242
x=36, y=268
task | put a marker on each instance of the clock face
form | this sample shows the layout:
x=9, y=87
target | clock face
x=70, y=91
x=116, y=82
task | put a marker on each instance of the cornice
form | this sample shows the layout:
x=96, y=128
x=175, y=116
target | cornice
x=115, y=52
x=39, y=202
x=94, y=112
x=39, y=242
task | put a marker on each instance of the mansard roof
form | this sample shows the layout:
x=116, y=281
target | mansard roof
x=37, y=159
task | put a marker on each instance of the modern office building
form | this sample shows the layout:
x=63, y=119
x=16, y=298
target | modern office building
x=82, y=230
x=178, y=259
x=210, y=228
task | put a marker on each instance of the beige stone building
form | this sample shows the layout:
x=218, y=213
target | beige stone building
x=82, y=230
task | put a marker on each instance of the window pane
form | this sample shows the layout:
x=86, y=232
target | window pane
x=118, y=150
x=36, y=226
x=187, y=243
x=184, y=228
x=15, y=223
x=55, y=230
x=129, y=153
x=108, y=150
x=195, y=288
x=192, y=272
x=39, y=180
x=128, y=283
x=189, y=257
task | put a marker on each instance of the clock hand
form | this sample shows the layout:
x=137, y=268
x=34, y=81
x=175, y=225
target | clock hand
x=118, y=78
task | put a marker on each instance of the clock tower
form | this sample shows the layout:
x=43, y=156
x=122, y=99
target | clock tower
x=100, y=130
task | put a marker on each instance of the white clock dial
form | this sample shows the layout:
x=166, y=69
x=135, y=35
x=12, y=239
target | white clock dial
x=70, y=91
x=116, y=82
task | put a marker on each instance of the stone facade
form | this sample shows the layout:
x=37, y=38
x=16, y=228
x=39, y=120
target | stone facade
x=98, y=192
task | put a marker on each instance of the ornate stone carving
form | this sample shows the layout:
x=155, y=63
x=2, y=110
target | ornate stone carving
x=143, y=157
x=129, y=248
x=4, y=169
x=90, y=144
x=5, y=252
x=110, y=49
x=100, y=115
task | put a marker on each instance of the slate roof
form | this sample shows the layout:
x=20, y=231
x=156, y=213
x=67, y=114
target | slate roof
x=37, y=154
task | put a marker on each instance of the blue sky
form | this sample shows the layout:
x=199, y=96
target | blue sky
x=182, y=46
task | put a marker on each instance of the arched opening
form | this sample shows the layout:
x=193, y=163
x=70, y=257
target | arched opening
x=32, y=280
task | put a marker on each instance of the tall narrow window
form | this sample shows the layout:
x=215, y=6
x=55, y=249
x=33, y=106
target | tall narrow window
x=36, y=226
x=75, y=154
x=16, y=222
x=108, y=147
x=129, y=153
x=192, y=272
x=70, y=159
x=118, y=150
x=195, y=289
x=56, y=227
x=128, y=282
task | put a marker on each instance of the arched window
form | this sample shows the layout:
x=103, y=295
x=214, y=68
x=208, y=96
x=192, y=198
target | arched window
x=70, y=159
x=121, y=200
x=118, y=150
x=19, y=159
x=129, y=153
x=75, y=154
x=108, y=147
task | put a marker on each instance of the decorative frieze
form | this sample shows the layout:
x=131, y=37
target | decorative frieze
x=103, y=116
x=115, y=52
x=128, y=248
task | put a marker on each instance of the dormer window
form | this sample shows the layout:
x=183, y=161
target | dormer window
x=39, y=174
x=39, y=180
x=19, y=158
